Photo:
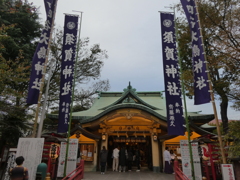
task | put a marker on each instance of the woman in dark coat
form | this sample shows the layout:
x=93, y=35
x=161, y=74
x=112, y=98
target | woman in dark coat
x=122, y=159
x=137, y=158
x=103, y=159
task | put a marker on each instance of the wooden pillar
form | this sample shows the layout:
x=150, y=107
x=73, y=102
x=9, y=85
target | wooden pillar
x=155, y=155
x=95, y=154
x=161, y=161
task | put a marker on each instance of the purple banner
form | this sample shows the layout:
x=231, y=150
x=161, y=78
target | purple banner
x=39, y=57
x=67, y=70
x=175, y=118
x=201, y=86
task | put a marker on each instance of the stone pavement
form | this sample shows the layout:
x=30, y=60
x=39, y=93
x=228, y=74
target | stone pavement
x=133, y=175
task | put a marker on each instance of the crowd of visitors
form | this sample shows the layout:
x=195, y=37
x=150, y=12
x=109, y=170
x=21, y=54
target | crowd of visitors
x=123, y=159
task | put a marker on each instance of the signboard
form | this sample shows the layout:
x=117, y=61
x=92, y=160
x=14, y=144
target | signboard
x=31, y=149
x=186, y=163
x=196, y=161
x=72, y=157
x=227, y=172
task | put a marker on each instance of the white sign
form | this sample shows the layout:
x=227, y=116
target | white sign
x=186, y=162
x=72, y=157
x=89, y=154
x=31, y=149
x=227, y=172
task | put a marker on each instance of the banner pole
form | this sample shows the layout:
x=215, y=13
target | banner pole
x=212, y=95
x=43, y=114
x=43, y=75
x=184, y=101
x=71, y=108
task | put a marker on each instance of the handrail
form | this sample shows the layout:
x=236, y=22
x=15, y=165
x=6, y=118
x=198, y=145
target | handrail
x=179, y=175
x=76, y=174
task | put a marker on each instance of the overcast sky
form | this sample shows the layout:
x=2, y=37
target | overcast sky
x=130, y=31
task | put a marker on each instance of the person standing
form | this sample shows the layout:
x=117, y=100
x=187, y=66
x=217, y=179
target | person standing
x=167, y=158
x=115, y=159
x=122, y=159
x=103, y=159
x=137, y=158
x=130, y=159
x=19, y=172
x=173, y=155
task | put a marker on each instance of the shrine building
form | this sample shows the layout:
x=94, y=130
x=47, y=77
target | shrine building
x=131, y=119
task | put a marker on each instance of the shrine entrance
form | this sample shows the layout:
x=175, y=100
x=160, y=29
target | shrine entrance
x=131, y=143
x=132, y=128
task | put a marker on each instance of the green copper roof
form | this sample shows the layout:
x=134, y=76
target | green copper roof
x=151, y=102
x=105, y=101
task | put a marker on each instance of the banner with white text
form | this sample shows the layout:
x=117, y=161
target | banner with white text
x=201, y=86
x=67, y=70
x=174, y=107
x=39, y=57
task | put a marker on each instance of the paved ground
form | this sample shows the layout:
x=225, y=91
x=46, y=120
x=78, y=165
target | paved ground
x=133, y=175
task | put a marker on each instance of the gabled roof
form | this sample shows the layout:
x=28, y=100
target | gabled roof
x=152, y=102
x=108, y=101
x=200, y=130
x=84, y=132
x=130, y=96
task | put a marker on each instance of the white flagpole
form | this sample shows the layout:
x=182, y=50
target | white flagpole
x=43, y=114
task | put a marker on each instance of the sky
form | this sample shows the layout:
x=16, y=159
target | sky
x=130, y=32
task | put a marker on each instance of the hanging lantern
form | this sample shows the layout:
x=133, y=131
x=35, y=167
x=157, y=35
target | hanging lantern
x=54, y=151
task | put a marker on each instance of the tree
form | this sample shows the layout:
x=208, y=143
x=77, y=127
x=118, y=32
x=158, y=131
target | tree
x=220, y=21
x=88, y=68
x=19, y=30
x=83, y=100
x=12, y=124
x=233, y=136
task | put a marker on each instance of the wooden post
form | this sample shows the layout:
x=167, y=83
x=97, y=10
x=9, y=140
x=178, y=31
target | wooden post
x=212, y=97
x=206, y=170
